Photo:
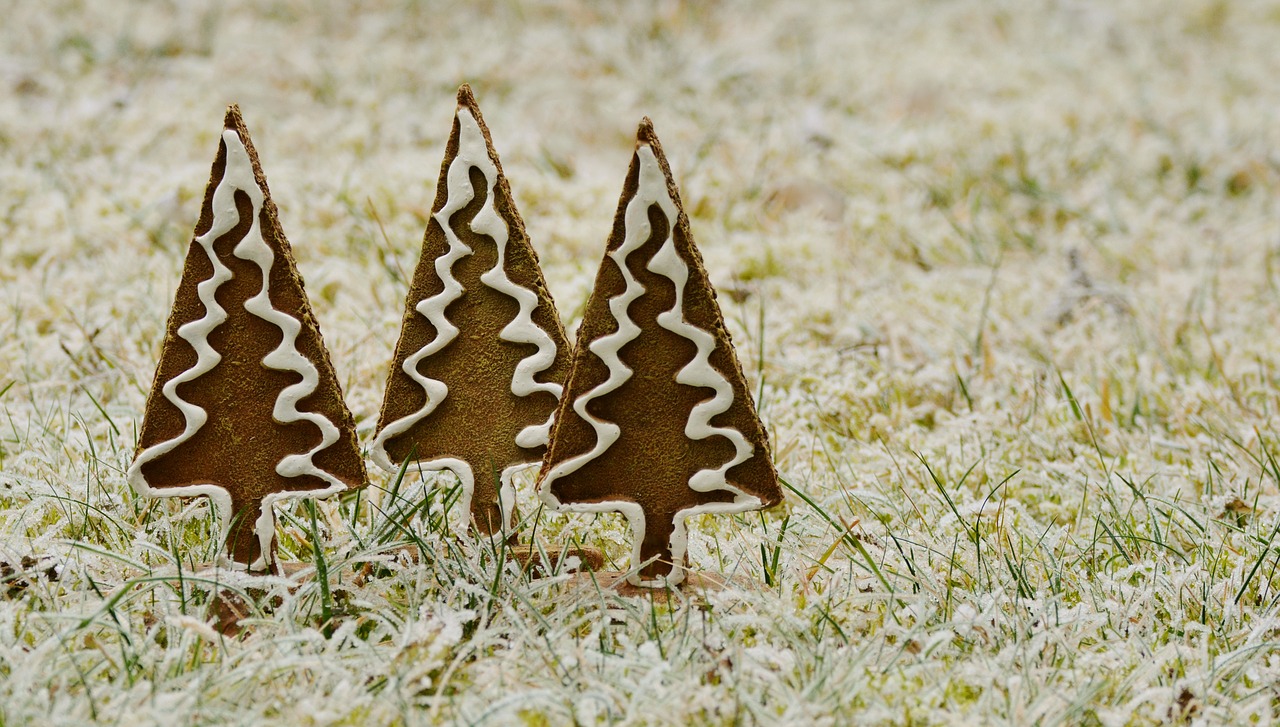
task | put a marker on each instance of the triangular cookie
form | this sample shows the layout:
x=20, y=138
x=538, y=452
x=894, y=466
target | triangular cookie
x=245, y=406
x=482, y=355
x=656, y=419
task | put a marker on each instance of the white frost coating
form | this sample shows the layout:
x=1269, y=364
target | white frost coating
x=474, y=152
x=652, y=189
x=238, y=176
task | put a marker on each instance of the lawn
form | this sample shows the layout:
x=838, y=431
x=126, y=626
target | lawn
x=1004, y=276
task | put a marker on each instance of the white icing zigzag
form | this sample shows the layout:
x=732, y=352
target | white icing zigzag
x=521, y=329
x=698, y=372
x=652, y=189
x=285, y=357
x=474, y=152
x=196, y=333
x=238, y=176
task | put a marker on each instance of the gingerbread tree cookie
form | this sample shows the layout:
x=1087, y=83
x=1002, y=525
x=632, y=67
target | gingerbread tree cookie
x=245, y=406
x=656, y=419
x=479, y=366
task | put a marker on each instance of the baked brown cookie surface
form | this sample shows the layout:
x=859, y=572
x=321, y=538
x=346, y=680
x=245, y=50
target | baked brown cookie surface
x=245, y=406
x=656, y=419
x=482, y=355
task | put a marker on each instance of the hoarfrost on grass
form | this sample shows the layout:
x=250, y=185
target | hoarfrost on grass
x=1003, y=275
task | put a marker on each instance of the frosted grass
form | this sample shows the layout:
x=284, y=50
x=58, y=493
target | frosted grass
x=1004, y=276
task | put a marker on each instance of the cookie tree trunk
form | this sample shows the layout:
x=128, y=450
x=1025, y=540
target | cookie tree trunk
x=243, y=544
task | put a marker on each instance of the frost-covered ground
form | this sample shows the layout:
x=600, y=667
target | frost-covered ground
x=1006, y=275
